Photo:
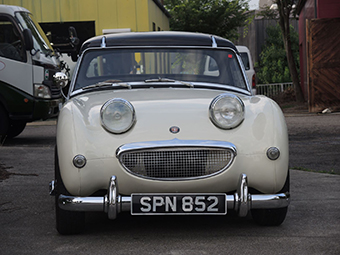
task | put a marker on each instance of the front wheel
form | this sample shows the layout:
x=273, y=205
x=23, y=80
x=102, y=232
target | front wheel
x=67, y=222
x=4, y=123
x=272, y=217
x=269, y=217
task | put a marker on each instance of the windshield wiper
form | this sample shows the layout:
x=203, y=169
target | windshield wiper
x=160, y=79
x=107, y=84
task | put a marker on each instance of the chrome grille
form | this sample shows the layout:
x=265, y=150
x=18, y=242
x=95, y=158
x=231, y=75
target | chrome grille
x=177, y=163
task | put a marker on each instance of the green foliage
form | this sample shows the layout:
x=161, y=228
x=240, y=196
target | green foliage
x=219, y=17
x=273, y=63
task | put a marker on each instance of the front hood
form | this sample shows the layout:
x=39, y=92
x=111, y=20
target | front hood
x=159, y=109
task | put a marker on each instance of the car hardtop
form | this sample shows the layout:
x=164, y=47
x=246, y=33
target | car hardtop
x=159, y=38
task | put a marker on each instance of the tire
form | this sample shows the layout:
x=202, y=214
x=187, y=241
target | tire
x=272, y=217
x=269, y=217
x=15, y=128
x=4, y=122
x=67, y=222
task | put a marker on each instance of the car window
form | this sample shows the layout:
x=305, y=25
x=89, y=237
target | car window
x=129, y=65
x=11, y=45
x=40, y=41
x=245, y=60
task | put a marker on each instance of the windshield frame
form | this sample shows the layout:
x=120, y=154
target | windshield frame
x=213, y=85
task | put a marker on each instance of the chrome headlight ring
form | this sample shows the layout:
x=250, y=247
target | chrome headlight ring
x=117, y=115
x=226, y=111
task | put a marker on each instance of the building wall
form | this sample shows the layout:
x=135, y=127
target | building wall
x=308, y=12
x=328, y=9
x=312, y=9
x=138, y=15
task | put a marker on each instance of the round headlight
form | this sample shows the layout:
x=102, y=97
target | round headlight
x=117, y=115
x=226, y=111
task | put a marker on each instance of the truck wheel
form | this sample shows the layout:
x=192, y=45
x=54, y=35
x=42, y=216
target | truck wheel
x=16, y=127
x=67, y=222
x=272, y=217
x=4, y=124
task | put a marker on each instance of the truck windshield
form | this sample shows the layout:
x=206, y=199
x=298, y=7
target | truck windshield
x=39, y=38
x=139, y=65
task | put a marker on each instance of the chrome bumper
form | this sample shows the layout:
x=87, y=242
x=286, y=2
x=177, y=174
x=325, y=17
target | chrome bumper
x=113, y=203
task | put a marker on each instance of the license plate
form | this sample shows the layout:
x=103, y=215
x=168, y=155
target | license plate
x=178, y=204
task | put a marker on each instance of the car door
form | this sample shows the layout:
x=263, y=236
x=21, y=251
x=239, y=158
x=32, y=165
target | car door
x=15, y=63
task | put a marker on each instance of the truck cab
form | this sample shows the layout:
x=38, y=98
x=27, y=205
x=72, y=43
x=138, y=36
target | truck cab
x=27, y=66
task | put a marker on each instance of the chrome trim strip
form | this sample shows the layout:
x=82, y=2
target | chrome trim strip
x=112, y=199
x=270, y=201
x=79, y=204
x=176, y=143
x=103, y=44
x=113, y=203
x=214, y=44
x=243, y=196
x=52, y=188
x=196, y=85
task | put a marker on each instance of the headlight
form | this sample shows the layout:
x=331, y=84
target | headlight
x=226, y=111
x=42, y=91
x=117, y=115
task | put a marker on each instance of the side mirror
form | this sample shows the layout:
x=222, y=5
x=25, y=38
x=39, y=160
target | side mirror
x=28, y=38
x=61, y=79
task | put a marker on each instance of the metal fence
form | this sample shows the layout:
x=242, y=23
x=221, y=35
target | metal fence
x=273, y=89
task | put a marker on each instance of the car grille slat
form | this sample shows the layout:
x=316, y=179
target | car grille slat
x=176, y=163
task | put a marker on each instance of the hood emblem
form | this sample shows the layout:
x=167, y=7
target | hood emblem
x=174, y=130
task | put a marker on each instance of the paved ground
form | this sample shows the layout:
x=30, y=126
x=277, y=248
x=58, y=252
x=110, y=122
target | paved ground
x=314, y=142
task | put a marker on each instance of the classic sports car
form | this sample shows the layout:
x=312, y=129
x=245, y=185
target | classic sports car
x=165, y=123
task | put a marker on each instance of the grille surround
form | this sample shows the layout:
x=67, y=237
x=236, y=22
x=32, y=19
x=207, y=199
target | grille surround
x=179, y=160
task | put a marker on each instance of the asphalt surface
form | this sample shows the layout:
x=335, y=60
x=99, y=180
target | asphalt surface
x=312, y=225
x=314, y=142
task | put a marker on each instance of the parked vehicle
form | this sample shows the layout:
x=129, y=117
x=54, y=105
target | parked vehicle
x=248, y=65
x=27, y=65
x=149, y=128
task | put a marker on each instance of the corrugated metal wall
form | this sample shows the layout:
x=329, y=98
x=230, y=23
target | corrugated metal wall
x=138, y=15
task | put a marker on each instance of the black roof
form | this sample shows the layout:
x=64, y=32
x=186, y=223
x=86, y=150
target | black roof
x=157, y=39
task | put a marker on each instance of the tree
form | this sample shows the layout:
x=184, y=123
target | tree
x=273, y=59
x=285, y=10
x=218, y=17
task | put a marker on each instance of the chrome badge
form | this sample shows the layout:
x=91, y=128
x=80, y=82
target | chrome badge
x=174, y=129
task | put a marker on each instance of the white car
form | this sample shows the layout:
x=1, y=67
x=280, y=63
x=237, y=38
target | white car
x=146, y=129
x=248, y=65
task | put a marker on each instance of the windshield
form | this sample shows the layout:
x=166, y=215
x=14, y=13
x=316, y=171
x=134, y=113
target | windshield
x=132, y=65
x=40, y=40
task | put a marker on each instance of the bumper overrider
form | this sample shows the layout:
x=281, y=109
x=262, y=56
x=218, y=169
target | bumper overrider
x=113, y=203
